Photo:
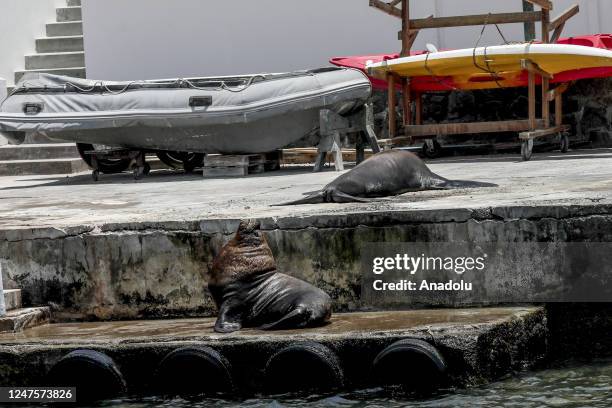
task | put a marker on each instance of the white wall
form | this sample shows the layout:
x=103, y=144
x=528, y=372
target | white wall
x=141, y=39
x=21, y=21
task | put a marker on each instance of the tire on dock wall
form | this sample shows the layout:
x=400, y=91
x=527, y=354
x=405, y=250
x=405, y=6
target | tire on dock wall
x=302, y=367
x=194, y=371
x=95, y=375
x=410, y=363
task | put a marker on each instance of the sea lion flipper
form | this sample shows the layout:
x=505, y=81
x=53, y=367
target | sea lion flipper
x=297, y=318
x=452, y=184
x=340, y=197
x=228, y=320
x=316, y=198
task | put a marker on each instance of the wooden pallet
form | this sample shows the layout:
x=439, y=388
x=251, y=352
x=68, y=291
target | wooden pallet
x=240, y=165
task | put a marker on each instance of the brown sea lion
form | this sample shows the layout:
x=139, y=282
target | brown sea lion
x=385, y=174
x=249, y=292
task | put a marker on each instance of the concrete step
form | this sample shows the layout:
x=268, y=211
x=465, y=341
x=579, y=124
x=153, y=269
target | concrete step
x=39, y=152
x=12, y=299
x=76, y=72
x=20, y=319
x=59, y=44
x=55, y=60
x=68, y=14
x=42, y=167
x=65, y=29
x=73, y=3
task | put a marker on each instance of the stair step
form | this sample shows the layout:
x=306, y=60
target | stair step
x=75, y=72
x=60, y=44
x=42, y=167
x=39, y=151
x=65, y=29
x=73, y=3
x=55, y=60
x=68, y=14
x=20, y=319
x=12, y=299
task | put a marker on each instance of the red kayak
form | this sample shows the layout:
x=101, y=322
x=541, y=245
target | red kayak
x=428, y=84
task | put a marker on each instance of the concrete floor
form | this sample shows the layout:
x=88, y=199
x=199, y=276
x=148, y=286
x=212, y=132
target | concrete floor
x=576, y=178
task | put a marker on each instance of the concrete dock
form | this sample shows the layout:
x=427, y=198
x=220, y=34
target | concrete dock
x=576, y=178
x=478, y=345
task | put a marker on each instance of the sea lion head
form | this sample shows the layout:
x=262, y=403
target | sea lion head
x=247, y=254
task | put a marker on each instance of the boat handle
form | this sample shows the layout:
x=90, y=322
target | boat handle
x=200, y=101
x=32, y=108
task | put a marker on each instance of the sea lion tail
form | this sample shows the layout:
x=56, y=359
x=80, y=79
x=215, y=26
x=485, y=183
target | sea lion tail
x=450, y=184
x=329, y=196
x=317, y=197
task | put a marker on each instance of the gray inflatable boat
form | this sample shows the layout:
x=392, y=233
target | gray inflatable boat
x=228, y=115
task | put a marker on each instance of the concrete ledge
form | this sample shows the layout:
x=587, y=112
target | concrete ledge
x=478, y=344
x=158, y=270
x=21, y=319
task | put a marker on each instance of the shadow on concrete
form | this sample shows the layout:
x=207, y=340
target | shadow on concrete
x=156, y=176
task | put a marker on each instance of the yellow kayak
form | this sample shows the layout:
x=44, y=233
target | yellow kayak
x=491, y=67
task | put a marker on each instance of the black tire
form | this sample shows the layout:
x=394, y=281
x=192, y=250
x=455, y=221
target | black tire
x=304, y=367
x=106, y=166
x=194, y=371
x=95, y=375
x=411, y=363
x=182, y=160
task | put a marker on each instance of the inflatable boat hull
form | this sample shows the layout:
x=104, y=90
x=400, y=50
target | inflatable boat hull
x=229, y=115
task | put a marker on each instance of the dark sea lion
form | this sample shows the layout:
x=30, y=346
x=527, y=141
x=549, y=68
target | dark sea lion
x=385, y=174
x=249, y=292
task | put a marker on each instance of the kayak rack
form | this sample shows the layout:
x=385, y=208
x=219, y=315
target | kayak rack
x=528, y=129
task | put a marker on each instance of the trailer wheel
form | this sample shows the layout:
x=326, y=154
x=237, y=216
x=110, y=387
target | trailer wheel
x=432, y=149
x=106, y=166
x=182, y=160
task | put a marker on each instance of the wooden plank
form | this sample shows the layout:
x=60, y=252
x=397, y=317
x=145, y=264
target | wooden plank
x=545, y=4
x=392, y=102
x=563, y=17
x=407, y=102
x=543, y=132
x=545, y=103
x=529, y=27
x=545, y=26
x=418, y=102
x=535, y=68
x=476, y=19
x=557, y=34
x=395, y=3
x=386, y=8
x=532, y=100
x=558, y=110
x=560, y=90
x=467, y=128
x=406, y=35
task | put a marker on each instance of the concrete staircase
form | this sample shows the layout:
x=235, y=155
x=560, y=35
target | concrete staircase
x=17, y=317
x=40, y=159
x=61, y=52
